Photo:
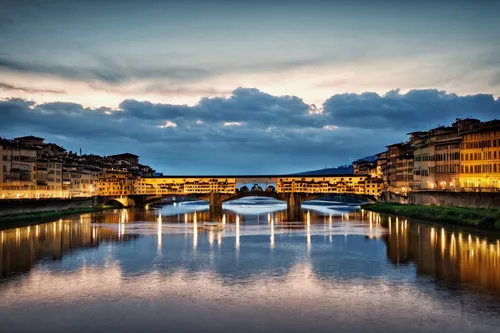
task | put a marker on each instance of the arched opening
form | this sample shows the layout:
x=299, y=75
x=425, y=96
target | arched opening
x=114, y=203
x=345, y=199
x=257, y=188
x=270, y=188
x=244, y=189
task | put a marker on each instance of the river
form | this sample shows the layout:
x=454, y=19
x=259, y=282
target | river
x=340, y=269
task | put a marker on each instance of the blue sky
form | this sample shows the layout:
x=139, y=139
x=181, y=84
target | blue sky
x=199, y=59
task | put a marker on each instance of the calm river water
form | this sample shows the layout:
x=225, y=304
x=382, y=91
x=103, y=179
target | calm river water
x=340, y=269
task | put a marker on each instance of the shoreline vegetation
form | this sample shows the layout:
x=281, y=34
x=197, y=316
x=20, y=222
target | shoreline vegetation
x=480, y=218
x=36, y=217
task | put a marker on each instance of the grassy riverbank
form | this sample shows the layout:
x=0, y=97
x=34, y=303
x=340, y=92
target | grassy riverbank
x=49, y=215
x=472, y=217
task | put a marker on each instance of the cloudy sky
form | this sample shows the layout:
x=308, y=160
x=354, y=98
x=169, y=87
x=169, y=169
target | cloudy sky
x=211, y=87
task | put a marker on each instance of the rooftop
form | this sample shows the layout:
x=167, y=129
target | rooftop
x=124, y=155
x=28, y=137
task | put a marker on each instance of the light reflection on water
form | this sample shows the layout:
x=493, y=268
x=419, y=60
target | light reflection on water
x=335, y=270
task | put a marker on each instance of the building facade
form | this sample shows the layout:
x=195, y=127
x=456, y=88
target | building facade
x=480, y=157
x=400, y=168
x=420, y=143
x=17, y=169
x=445, y=158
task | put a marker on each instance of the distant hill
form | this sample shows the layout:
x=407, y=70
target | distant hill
x=341, y=170
x=371, y=158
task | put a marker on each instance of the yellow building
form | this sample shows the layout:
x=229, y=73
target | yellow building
x=480, y=157
x=373, y=186
x=113, y=186
x=182, y=185
x=17, y=169
x=353, y=184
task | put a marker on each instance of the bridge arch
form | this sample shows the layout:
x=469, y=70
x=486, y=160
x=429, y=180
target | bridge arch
x=343, y=197
x=122, y=201
x=268, y=194
x=270, y=188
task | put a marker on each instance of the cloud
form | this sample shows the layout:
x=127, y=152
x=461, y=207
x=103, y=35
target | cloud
x=416, y=109
x=7, y=87
x=167, y=124
x=107, y=71
x=278, y=134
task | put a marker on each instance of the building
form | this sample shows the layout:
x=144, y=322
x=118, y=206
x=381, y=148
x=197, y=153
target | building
x=116, y=184
x=81, y=181
x=400, y=168
x=382, y=160
x=17, y=169
x=420, y=143
x=126, y=157
x=49, y=176
x=480, y=156
x=30, y=140
x=444, y=163
x=367, y=168
x=373, y=186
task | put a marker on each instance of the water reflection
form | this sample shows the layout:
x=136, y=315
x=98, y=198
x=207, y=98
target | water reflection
x=454, y=257
x=335, y=260
x=22, y=248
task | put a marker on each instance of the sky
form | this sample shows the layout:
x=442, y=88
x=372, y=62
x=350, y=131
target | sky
x=233, y=87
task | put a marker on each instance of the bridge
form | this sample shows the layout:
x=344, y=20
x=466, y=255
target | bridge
x=217, y=189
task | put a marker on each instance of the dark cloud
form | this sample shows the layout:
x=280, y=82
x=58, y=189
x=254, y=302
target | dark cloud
x=417, y=109
x=107, y=71
x=249, y=131
x=7, y=87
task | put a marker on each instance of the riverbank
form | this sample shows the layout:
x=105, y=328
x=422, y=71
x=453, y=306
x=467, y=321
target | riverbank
x=35, y=217
x=472, y=217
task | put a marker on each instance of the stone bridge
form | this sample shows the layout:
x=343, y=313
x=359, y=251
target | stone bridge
x=293, y=200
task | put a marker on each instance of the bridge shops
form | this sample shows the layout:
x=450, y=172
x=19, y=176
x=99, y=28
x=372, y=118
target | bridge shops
x=183, y=185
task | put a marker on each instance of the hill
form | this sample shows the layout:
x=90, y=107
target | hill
x=341, y=170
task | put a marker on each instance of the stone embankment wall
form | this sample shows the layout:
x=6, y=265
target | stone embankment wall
x=28, y=206
x=489, y=200
x=391, y=197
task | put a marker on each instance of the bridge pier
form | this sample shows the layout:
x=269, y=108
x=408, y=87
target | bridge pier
x=294, y=206
x=215, y=208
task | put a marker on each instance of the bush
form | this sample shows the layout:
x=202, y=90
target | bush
x=484, y=218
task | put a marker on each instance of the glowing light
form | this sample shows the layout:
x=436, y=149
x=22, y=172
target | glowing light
x=272, y=235
x=237, y=234
x=443, y=241
x=159, y=232
x=211, y=238
x=195, y=236
x=308, y=232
